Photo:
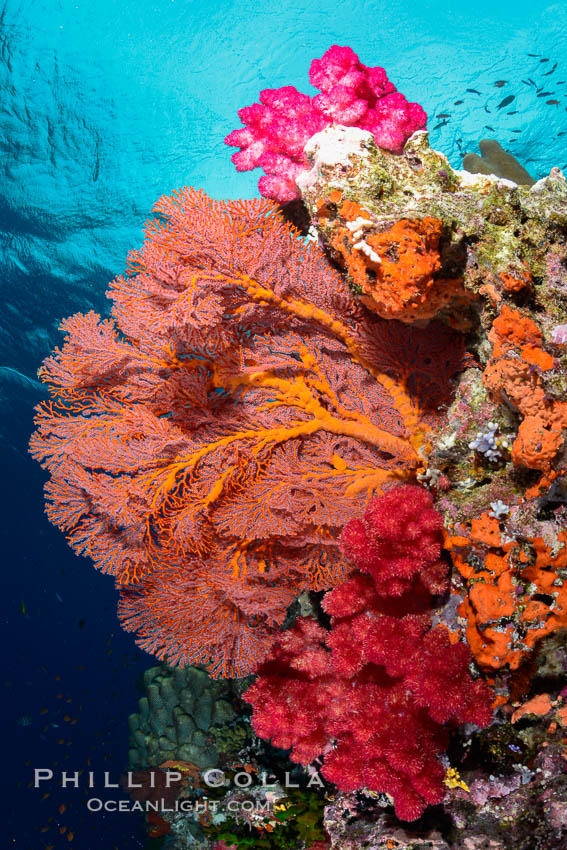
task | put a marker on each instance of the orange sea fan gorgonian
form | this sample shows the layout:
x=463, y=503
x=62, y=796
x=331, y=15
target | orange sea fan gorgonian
x=207, y=443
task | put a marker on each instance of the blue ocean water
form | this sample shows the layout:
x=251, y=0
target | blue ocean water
x=105, y=106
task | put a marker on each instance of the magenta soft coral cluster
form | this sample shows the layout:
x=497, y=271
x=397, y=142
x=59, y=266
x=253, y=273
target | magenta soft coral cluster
x=376, y=694
x=353, y=95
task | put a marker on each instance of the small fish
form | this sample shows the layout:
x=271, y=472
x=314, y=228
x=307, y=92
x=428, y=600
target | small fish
x=488, y=127
x=506, y=101
x=437, y=126
x=533, y=54
x=531, y=81
x=474, y=91
x=500, y=83
x=544, y=60
x=62, y=808
x=545, y=94
x=516, y=131
x=458, y=102
x=547, y=73
x=562, y=133
x=23, y=608
x=515, y=112
x=526, y=82
x=58, y=597
x=444, y=115
x=552, y=102
x=486, y=109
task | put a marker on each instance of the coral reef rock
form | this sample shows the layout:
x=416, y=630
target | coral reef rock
x=487, y=256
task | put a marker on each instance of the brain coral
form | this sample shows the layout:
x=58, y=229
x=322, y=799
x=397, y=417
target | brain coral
x=207, y=443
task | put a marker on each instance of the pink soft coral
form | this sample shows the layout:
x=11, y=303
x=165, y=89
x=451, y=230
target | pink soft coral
x=278, y=128
x=375, y=695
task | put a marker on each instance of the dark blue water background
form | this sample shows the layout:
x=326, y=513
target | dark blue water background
x=105, y=105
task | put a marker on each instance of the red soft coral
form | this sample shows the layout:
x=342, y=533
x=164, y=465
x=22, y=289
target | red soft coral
x=397, y=540
x=384, y=684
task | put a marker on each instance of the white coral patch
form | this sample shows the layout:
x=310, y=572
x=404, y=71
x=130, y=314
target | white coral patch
x=370, y=252
x=332, y=146
x=481, y=181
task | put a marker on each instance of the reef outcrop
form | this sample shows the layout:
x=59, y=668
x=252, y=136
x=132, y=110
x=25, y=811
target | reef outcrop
x=417, y=241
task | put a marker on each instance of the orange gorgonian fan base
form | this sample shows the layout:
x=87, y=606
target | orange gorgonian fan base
x=208, y=443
